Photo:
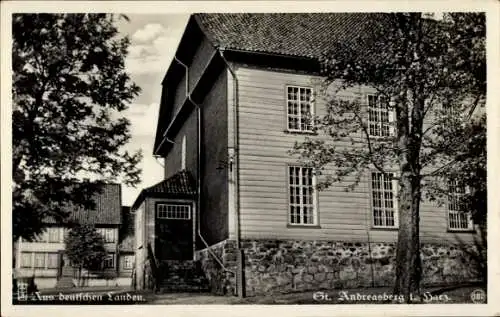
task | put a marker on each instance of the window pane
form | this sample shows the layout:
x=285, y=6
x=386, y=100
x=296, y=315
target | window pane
x=383, y=200
x=128, y=261
x=52, y=260
x=53, y=234
x=299, y=108
x=174, y=211
x=457, y=217
x=301, y=195
x=39, y=260
x=378, y=116
x=109, y=261
x=26, y=259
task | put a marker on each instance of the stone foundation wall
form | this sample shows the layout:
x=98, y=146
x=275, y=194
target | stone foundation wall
x=284, y=266
x=221, y=282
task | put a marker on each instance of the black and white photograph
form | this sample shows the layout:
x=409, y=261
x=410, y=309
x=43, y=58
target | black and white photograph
x=248, y=157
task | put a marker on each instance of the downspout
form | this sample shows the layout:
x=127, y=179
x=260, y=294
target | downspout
x=236, y=148
x=241, y=256
x=198, y=167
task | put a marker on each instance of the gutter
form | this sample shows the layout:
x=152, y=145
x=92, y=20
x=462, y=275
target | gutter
x=198, y=167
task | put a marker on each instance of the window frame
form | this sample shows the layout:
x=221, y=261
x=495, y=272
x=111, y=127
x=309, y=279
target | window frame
x=108, y=257
x=395, y=205
x=449, y=212
x=131, y=259
x=44, y=257
x=299, y=113
x=31, y=259
x=107, y=234
x=54, y=232
x=380, y=124
x=314, y=205
x=49, y=254
x=166, y=212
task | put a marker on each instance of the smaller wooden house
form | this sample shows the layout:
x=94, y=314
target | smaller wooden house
x=164, y=223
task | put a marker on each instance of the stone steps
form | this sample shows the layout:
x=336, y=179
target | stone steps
x=182, y=276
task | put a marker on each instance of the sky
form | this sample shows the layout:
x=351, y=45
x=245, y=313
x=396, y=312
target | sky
x=154, y=39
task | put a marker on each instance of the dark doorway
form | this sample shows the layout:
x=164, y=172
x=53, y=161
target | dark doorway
x=173, y=231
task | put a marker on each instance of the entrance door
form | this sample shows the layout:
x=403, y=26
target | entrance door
x=174, y=232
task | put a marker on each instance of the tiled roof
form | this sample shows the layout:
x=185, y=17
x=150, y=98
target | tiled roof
x=107, y=208
x=180, y=184
x=297, y=34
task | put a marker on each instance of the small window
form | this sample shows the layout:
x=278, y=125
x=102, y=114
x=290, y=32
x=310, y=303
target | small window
x=54, y=235
x=183, y=153
x=300, y=109
x=109, y=261
x=379, y=117
x=302, y=203
x=52, y=260
x=128, y=262
x=108, y=234
x=39, y=260
x=458, y=219
x=384, y=200
x=26, y=259
x=172, y=211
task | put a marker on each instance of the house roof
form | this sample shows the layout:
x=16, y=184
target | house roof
x=107, y=208
x=296, y=34
x=179, y=185
x=308, y=37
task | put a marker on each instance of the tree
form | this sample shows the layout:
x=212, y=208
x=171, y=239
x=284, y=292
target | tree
x=431, y=75
x=469, y=173
x=85, y=249
x=69, y=88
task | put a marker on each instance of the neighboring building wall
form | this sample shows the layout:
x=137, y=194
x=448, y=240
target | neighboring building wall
x=215, y=164
x=264, y=146
x=39, y=258
x=44, y=261
x=140, y=245
x=173, y=158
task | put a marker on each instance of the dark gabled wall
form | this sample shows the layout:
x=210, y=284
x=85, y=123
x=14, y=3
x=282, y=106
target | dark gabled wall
x=214, y=198
x=214, y=174
x=173, y=159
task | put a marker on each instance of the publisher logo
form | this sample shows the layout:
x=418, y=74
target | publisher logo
x=478, y=296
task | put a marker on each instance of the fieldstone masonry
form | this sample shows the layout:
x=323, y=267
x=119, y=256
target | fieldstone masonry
x=222, y=282
x=285, y=266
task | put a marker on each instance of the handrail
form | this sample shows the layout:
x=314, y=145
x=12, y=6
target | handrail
x=215, y=256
